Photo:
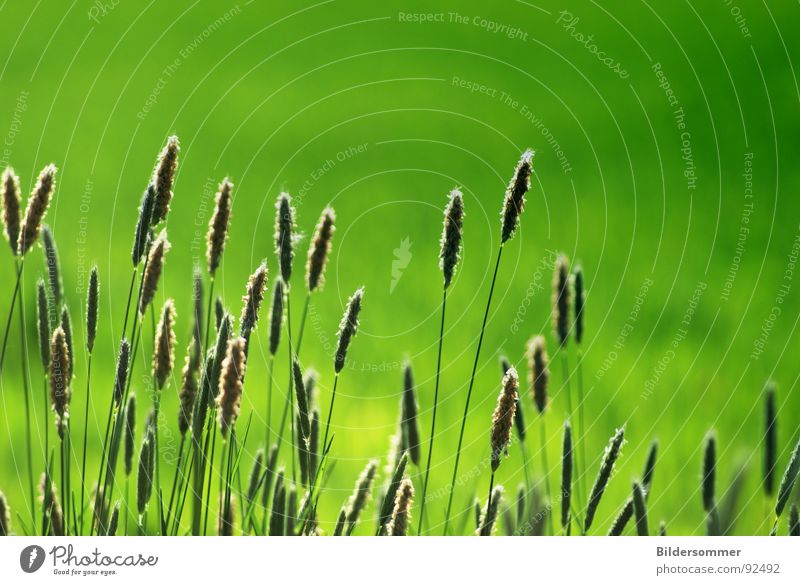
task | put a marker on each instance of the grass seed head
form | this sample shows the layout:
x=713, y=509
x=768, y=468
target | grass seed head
x=52, y=514
x=256, y=285
x=38, y=203
x=66, y=325
x=348, y=328
x=503, y=417
x=52, y=264
x=5, y=516
x=163, y=179
x=302, y=402
x=561, y=300
x=218, y=226
x=709, y=473
x=130, y=433
x=58, y=377
x=113, y=523
x=121, y=377
x=155, y=266
x=489, y=513
x=603, y=476
x=189, y=386
x=640, y=509
x=197, y=307
x=143, y=224
x=401, y=514
x=770, y=438
x=255, y=475
x=538, y=371
x=450, y=251
x=164, y=354
x=230, y=385
x=409, y=416
x=358, y=500
x=515, y=195
x=276, y=317
x=92, y=300
x=566, y=475
x=43, y=323
x=285, y=235
x=577, y=283
x=144, y=485
x=320, y=249
x=11, y=207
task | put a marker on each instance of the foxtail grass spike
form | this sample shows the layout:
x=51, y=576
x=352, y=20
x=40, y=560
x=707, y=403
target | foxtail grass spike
x=164, y=354
x=52, y=514
x=310, y=382
x=320, y=249
x=338, y=530
x=52, y=264
x=121, y=377
x=92, y=299
x=38, y=203
x=478, y=511
x=219, y=312
x=130, y=433
x=143, y=224
x=649, y=468
x=285, y=235
x=788, y=480
x=277, y=522
x=794, y=520
x=43, y=323
x=227, y=514
x=709, y=473
x=206, y=397
x=313, y=443
x=155, y=266
x=113, y=523
x=59, y=380
x=224, y=335
x=198, y=307
x=409, y=416
x=144, y=485
x=603, y=476
x=230, y=385
x=348, y=328
x=270, y=466
x=640, y=509
x=66, y=325
x=5, y=515
x=11, y=208
x=391, y=491
x=302, y=403
x=450, y=252
x=519, y=421
x=503, y=416
x=218, y=226
x=515, y=195
x=577, y=283
x=163, y=179
x=358, y=500
x=255, y=475
x=566, y=475
x=538, y=371
x=256, y=285
x=770, y=438
x=276, y=318
x=401, y=514
x=189, y=386
x=622, y=518
x=561, y=300
x=489, y=512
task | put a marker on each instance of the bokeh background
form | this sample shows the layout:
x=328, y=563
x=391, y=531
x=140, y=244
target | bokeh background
x=665, y=135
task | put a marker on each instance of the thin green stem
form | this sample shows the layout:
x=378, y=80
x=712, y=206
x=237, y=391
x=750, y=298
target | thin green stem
x=175, y=478
x=291, y=377
x=469, y=391
x=546, y=470
x=208, y=312
x=580, y=434
x=85, y=429
x=20, y=265
x=130, y=296
x=488, y=506
x=330, y=410
x=303, y=322
x=269, y=400
x=212, y=431
x=433, y=421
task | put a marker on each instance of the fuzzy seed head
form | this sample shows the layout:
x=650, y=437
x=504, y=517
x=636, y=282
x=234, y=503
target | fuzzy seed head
x=538, y=371
x=197, y=305
x=358, y=500
x=66, y=325
x=302, y=402
x=640, y=509
x=163, y=179
x=489, y=513
x=164, y=354
x=515, y=195
x=770, y=438
x=11, y=207
x=409, y=416
x=256, y=286
x=37, y=208
x=561, y=300
x=130, y=433
x=144, y=478
x=450, y=252
x=348, y=328
x=320, y=249
x=255, y=475
x=188, y=390
x=122, y=371
x=155, y=266
x=603, y=476
x=92, y=296
x=230, y=385
x=53, y=515
x=5, y=516
x=219, y=312
x=59, y=379
x=398, y=525
x=503, y=417
x=143, y=224
x=218, y=226
x=285, y=234
x=276, y=317
x=43, y=323
x=566, y=475
x=709, y=473
x=577, y=284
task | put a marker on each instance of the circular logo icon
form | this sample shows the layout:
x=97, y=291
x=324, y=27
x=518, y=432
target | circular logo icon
x=31, y=558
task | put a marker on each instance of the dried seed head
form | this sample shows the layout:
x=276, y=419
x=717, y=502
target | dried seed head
x=450, y=252
x=398, y=526
x=163, y=178
x=358, y=500
x=122, y=371
x=43, y=322
x=538, y=372
x=52, y=516
x=155, y=265
x=566, y=475
x=561, y=299
x=146, y=469
x=515, y=195
x=770, y=438
x=320, y=249
x=409, y=416
x=348, y=328
x=218, y=226
x=256, y=286
x=164, y=354
x=255, y=475
x=11, y=207
x=130, y=432
x=276, y=319
x=5, y=516
x=52, y=264
x=188, y=390
x=489, y=513
x=709, y=472
x=92, y=296
x=577, y=283
x=197, y=304
x=66, y=325
x=143, y=224
x=503, y=417
x=59, y=379
x=38, y=203
x=603, y=476
x=230, y=385
x=285, y=234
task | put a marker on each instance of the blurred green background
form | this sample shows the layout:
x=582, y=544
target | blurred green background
x=665, y=135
